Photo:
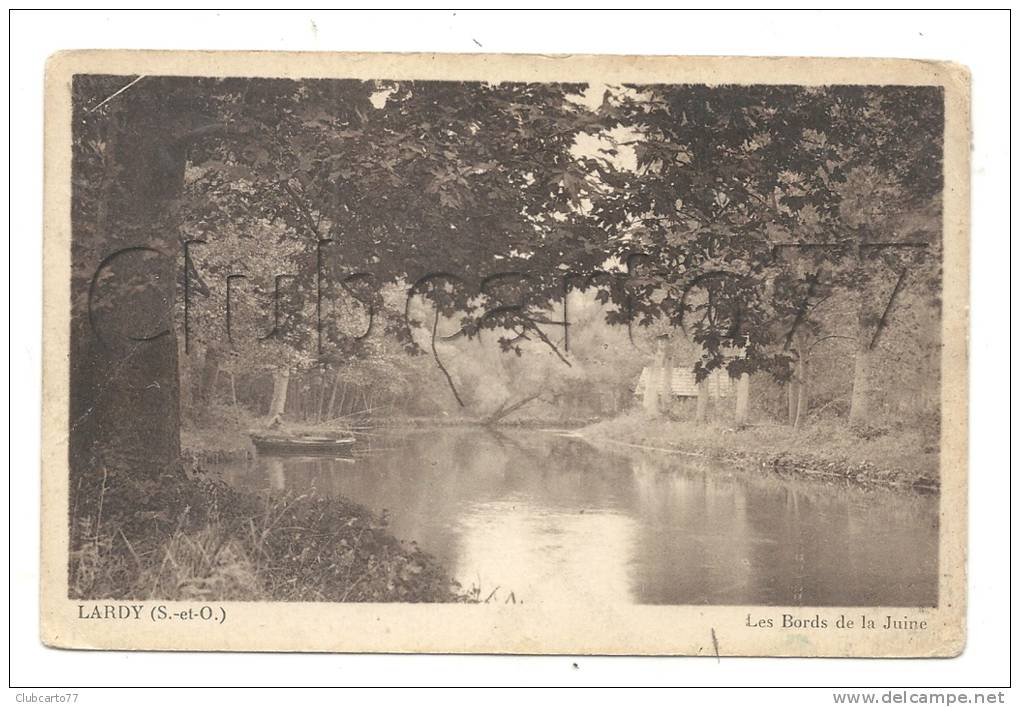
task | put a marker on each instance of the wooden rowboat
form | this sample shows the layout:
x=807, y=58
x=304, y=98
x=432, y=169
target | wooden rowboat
x=301, y=444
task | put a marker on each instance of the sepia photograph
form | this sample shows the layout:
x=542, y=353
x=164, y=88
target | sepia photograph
x=418, y=338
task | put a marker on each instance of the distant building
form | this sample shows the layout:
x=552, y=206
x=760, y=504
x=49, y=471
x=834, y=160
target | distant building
x=684, y=385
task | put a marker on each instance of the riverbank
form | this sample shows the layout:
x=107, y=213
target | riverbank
x=227, y=441
x=186, y=539
x=515, y=422
x=202, y=448
x=829, y=451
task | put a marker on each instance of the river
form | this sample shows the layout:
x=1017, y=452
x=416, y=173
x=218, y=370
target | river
x=539, y=517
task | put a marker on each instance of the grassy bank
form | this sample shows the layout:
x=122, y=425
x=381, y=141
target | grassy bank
x=901, y=458
x=214, y=445
x=181, y=539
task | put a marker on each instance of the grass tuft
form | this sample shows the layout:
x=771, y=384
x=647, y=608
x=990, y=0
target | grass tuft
x=180, y=539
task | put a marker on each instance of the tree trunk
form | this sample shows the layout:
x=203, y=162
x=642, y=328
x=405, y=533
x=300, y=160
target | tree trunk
x=650, y=396
x=322, y=394
x=862, y=373
x=125, y=387
x=281, y=381
x=702, y=408
x=802, y=390
x=215, y=382
x=743, y=393
x=206, y=383
x=654, y=380
x=666, y=383
x=799, y=384
x=502, y=411
x=342, y=405
x=332, y=395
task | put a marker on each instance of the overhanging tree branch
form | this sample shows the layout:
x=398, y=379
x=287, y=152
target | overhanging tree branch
x=435, y=355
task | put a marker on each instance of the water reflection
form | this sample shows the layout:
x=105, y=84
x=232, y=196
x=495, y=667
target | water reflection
x=541, y=518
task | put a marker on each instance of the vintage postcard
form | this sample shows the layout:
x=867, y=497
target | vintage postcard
x=505, y=354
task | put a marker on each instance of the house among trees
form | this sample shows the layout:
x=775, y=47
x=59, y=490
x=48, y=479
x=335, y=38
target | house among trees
x=683, y=384
x=663, y=382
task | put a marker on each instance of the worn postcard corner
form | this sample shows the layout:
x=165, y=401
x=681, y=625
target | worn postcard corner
x=505, y=354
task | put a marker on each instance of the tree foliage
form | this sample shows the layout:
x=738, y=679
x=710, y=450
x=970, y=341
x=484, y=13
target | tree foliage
x=726, y=213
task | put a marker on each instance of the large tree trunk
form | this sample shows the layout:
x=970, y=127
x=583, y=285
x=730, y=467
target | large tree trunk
x=862, y=374
x=125, y=390
x=868, y=335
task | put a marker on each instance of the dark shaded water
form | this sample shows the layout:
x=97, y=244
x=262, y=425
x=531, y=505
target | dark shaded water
x=554, y=519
